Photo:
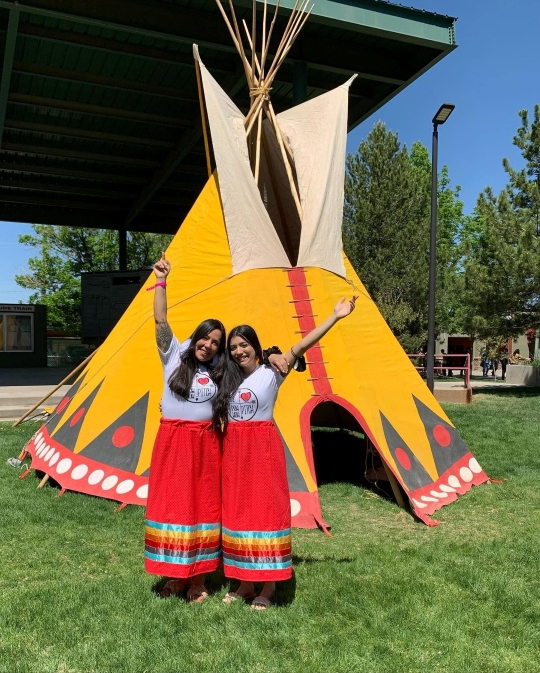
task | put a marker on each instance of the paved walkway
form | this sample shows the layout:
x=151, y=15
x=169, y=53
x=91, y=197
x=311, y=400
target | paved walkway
x=21, y=388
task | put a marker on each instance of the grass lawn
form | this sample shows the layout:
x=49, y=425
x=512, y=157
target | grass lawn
x=384, y=594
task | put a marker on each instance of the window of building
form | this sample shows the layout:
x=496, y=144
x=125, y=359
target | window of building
x=16, y=332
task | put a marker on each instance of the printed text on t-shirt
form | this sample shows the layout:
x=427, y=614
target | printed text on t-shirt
x=244, y=405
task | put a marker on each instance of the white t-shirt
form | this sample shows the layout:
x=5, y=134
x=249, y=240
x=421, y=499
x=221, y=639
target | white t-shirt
x=255, y=398
x=198, y=406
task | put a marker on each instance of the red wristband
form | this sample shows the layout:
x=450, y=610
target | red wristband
x=156, y=285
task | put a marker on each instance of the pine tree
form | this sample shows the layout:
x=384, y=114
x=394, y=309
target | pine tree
x=500, y=279
x=386, y=232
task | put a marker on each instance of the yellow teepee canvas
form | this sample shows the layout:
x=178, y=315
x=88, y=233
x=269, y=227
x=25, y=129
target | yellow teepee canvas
x=99, y=440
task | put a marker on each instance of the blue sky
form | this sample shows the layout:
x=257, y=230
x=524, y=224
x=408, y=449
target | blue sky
x=493, y=74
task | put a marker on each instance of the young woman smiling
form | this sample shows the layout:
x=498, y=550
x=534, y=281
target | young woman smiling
x=256, y=515
x=183, y=514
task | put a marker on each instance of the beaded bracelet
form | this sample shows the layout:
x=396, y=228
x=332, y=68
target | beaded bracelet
x=156, y=285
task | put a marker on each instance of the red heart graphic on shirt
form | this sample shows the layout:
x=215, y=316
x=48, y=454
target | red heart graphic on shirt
x=203, y=381
x=245, y=396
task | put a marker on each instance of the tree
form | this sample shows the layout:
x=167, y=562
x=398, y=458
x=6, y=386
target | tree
x=500, y=277
x=66, y=252
x=386, y=232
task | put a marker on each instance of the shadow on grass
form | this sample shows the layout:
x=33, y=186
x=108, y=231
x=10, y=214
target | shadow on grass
x=320, y=559
x=523, y=391
x=214, y=582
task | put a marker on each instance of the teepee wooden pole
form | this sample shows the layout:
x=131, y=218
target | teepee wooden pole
x=253, y=37
x=43, y=481
x=247, y=67
x=251, y=46
x=63, y=382
x=263, y=42
x=267, y=45
x=203, y=118
x=238, y=45
x=255, y=116
x=258, y=147
x=288, y=167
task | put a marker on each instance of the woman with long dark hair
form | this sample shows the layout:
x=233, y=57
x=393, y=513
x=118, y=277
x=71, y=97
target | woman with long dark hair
x=183, y=514
x=256, y=515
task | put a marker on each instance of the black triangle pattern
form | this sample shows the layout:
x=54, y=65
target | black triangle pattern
x=62, y=406
x=120, y=444
x=68, y=434
x=297, y=483
x=412, y=471
x=446, y=444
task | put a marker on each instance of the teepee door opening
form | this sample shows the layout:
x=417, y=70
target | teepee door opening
x=343, y=452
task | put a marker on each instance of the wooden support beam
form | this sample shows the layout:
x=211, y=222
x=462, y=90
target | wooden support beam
x=121, y=47
x=69, y=188
x=115, y=83
x=12, y=212
x=7, y=65
x=100, y=110
x=56, y=202
x=30, y=169
x=21, y=148
x=86, y=134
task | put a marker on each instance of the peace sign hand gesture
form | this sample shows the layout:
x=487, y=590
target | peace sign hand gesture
x=343, y=308
x=162, y=267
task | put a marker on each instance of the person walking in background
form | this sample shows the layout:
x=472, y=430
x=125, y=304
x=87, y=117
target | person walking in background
x=442, y=362
x=504, y=363
x=485, y=362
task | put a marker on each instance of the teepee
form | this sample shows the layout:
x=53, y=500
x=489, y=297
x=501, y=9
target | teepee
x=262, y=245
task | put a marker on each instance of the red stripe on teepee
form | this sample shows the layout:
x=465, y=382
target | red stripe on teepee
x=303, y=312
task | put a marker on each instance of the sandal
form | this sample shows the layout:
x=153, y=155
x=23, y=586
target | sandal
x=232, y=596
x=171, y=588
x=197, y=593
x=261, y=603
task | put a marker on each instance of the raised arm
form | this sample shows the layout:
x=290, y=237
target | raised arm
x=342, y=309
x=164, y=333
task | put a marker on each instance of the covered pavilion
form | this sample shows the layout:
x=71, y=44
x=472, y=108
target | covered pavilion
x=100, y=123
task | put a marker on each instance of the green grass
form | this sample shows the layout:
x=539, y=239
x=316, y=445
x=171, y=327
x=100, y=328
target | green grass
x=384, y=594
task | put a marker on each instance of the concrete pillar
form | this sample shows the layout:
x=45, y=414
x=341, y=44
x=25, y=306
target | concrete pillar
x=299, y=82
x=122, y=250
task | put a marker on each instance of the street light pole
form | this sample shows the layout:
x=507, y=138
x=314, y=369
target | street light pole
x=442, y=115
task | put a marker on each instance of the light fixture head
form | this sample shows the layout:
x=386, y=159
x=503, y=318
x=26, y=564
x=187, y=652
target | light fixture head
x=443, y=113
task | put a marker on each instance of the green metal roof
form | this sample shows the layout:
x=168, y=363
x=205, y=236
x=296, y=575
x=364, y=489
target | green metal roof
x=99, y=114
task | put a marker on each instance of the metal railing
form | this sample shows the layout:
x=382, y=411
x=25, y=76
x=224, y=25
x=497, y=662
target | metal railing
x=446, y=367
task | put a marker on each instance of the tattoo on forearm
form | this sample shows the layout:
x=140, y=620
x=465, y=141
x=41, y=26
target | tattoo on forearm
x=164, y=335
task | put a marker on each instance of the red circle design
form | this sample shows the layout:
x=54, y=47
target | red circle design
x=123, y=436
x=403, y=458
x=77, y=417
x=62, y=405
x=442, y=436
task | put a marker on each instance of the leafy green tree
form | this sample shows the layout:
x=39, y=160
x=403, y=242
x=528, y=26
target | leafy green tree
x=499, y=281
x=66, y=252
x=386, y=232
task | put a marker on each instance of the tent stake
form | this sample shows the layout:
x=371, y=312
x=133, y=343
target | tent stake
x=75, y=371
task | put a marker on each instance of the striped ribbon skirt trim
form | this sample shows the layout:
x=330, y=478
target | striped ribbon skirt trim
x=257, y=555
x=182, y=545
